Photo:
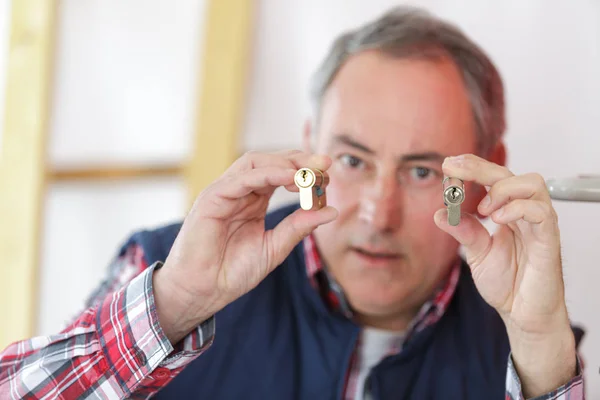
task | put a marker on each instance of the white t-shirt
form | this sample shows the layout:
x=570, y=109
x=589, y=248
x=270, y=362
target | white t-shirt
x=375, y=345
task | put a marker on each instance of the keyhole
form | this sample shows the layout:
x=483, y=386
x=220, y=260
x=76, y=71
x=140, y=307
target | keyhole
x=304, y=176
x=454, y=194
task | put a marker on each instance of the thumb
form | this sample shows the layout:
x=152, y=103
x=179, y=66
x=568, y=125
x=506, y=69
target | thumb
x=295, y=227
x=470, y=232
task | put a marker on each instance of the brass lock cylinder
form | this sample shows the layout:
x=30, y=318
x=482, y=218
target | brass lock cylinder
x=312, y=184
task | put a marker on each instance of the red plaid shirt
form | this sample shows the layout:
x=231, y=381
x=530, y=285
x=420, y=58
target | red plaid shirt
x=117, y=349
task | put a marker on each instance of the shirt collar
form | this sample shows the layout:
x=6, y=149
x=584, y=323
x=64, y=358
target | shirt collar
x=334, y=296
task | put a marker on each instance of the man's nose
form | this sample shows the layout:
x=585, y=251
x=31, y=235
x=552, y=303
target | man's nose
x=381, y=206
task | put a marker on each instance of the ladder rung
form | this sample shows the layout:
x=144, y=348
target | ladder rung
x=114, y=172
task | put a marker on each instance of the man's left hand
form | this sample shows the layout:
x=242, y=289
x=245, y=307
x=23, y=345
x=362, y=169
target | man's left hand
x=518, y=270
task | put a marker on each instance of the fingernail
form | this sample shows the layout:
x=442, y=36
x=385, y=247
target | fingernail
x=485, y=202
x=498, y=213
x=454, y=161
x=438, y=217
x=318, y=159
x=331, y=212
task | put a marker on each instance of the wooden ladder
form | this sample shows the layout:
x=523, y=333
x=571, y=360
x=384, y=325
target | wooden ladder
x=24, y=173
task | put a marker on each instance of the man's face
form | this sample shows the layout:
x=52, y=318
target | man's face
x=387, y=123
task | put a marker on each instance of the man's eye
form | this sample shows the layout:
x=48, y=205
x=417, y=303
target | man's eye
x=421, y=173
x=351, y=161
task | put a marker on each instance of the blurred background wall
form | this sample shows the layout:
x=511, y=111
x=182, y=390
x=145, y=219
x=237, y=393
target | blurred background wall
x=125, y=83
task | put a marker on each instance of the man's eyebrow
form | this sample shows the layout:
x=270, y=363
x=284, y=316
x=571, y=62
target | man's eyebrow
x=426, y=156
x=347, y=140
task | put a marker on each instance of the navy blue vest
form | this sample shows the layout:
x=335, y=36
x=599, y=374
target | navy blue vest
x=281, y=342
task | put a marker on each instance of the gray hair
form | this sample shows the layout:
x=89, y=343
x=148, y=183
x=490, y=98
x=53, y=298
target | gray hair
x=406, y=31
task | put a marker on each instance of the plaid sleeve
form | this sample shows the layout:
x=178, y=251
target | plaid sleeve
x=114, y=349
x=572, y=390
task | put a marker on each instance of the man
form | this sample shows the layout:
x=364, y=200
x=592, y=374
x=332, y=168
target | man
x=364, y=299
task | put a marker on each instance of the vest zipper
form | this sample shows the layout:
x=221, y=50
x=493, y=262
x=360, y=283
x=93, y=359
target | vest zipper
x=348, y=362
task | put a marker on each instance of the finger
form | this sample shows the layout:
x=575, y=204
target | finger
x=321, y=162
x=529, y=186
x=532, y=211
x=295, y=227
x=286, y=159
x=254, y=159
x=469, y=167
x=255, y=180
x=292, y=188
x=469, y=232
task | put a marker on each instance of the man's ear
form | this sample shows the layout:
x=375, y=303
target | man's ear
x=498, y=154
x=307, y=136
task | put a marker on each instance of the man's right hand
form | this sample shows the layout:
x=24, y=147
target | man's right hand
x=223, y=250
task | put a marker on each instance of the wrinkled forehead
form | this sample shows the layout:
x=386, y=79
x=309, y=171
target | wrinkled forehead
x=399, y=104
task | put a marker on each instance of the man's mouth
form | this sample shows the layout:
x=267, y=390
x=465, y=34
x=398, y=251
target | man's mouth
x=376, y=253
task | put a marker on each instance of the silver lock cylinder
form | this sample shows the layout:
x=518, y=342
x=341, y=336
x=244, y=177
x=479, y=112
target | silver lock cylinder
x=453, y=195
